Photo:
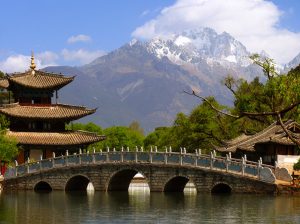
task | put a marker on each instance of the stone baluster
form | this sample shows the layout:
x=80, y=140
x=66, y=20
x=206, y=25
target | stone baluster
x=180, y=157
x=211, y=160
x=227, y=162
x=40, y=162
x=16, y=168
x=114, y=149
x=166, y=155
x=127, y=149
x=199, y=152
x=243, y=166
x=100, y=151
x=53, y=159
x=122, y=156
x=142, y=149
x=184, y=150
x=229, y=155
x=67, y=158
x=196, y=157
x=150, y=155
x=79, y=157
x=155, y=148
x=27, y=165
x=136, y=154
x=107, y=154
x=170, y=149
x=93, y=156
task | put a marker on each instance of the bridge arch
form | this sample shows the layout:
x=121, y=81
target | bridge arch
x=77, y=183
x=221, y=188
x=177, y=183
x=121, y=179
x=42, y=186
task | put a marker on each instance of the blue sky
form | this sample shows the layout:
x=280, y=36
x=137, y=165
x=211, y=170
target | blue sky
x=69, y=32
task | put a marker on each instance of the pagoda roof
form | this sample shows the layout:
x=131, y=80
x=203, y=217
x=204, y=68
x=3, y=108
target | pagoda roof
x=4, y=83
x=55, y=138
x=53, y=111
x=272, y=134
x=36, y=80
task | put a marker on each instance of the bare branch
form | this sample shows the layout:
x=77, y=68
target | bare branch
x=287, y=131
x=211, y=105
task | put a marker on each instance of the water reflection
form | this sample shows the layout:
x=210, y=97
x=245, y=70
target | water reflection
x=137, y=206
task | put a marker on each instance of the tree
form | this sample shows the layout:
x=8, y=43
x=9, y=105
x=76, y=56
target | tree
x=119, y=136
x=91, y=127
x=8, y=148
x=135, y=126
x=277, y=99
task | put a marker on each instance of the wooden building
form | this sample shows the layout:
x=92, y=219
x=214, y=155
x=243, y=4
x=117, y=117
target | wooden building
x=37, y=123
x=267, y=144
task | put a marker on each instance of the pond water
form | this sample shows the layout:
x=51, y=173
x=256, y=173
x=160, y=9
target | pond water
x=138, y=205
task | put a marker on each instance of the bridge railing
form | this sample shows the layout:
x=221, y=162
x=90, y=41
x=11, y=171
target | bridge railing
x=227, y=164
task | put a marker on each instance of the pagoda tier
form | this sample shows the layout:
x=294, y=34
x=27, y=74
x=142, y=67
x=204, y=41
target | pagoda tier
x=38, y=125
x=46, y=112
x=66, y=138
x=35, y=80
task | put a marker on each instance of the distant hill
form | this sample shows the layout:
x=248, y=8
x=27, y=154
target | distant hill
x=144, y=81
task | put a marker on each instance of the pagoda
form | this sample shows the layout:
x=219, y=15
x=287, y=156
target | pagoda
x=37, y=123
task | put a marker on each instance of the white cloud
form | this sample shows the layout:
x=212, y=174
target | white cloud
x=21, y=63
x=47, y=58
x=253, y=22
x=81, y=56
x=144, y=13
x=79, y=38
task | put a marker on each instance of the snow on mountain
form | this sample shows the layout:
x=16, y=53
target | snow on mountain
x=196, y=45
x=293, y=63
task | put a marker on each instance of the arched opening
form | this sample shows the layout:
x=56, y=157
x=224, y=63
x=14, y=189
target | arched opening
x=190, y=188
x=125, y=178
x=176, y=184
x=42, y=186
x=221, y=188
x=77, y=183
x=139, y=184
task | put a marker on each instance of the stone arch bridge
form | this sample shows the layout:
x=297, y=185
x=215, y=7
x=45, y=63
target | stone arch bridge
x=163, y=171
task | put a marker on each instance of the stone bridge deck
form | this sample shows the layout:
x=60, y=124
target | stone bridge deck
x=163, y=171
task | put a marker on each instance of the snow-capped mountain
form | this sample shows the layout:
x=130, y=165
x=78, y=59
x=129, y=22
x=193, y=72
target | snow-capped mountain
x=201, y=44
x=293, y=63
x=145, y=81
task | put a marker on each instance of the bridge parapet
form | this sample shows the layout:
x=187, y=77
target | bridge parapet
x=242, y=167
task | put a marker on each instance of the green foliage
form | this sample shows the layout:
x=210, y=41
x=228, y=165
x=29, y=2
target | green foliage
x=135, y=126
x=119, y=136
x=91, y=127
x=297, y=165
x=206, y=127
x=4, y=123
x=2, y=74
x=8, y=148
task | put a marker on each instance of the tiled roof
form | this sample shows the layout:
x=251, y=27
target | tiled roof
x=38, y=80
x=55, y=138
x=4, y=83
x=55, y=111
x=272, y=134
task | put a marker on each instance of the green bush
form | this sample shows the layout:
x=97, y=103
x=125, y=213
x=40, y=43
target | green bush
x=297, y=165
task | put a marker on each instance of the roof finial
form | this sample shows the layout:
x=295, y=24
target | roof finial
x=32, y=66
